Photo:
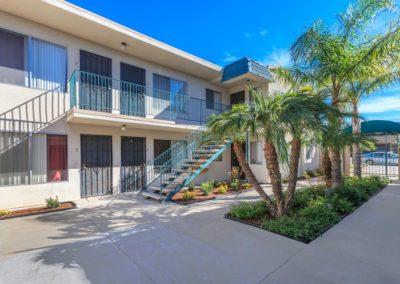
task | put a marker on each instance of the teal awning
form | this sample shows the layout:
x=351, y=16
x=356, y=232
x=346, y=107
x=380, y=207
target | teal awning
x=244, y=66
x=377, y=127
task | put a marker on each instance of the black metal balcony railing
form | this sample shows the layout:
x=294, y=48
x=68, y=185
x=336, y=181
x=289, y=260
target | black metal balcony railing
x=98, y=93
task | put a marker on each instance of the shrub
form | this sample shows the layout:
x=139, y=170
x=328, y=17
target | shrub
x=4, y=213
x=303, y=197
x=306, y=224
x=222, y=189
x=341, y=205
x=247, y=210
x=235, y=185
x=191, y=186
x=309, y=173
x=247, y=186
x=188, y=195
x=52, y=202
x=235, y=174
x=222, y=183
x=207, y=187
x=352, y=194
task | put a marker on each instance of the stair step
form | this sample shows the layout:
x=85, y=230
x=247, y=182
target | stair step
x=153, y=196
x=153, y=188
x=167, y=190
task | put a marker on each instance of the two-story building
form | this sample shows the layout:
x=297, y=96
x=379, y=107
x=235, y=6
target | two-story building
x=90, y=107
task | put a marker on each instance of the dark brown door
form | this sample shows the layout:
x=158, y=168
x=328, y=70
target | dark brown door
x=133, y=90
x=133, y=158
x=96, y=83
x=161, y=146
x=237, y=98
x=96, y=165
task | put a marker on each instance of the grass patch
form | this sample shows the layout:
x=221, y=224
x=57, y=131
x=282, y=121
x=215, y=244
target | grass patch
x=315, y=208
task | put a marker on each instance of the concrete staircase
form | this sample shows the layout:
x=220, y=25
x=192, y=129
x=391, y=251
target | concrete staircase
x=184, y=168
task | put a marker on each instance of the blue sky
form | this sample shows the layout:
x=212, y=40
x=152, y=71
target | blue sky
x=223, y=31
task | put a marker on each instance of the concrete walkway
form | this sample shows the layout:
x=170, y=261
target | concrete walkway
x=128, y=239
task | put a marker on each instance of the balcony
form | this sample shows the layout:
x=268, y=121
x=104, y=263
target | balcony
x=123, y=101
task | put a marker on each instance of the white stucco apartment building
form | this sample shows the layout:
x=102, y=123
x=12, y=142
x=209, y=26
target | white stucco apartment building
x=88, y=104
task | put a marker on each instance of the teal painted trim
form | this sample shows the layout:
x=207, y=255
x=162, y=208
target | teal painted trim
x=244, y=66
x=72, y=90
x=197, y=172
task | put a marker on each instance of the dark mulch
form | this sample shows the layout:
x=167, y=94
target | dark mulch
x=38, y=210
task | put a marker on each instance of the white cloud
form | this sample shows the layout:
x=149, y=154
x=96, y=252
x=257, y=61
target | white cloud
x=248, y=35
x=263, y=33
x=278, y=57
x=230, y=57
x=380, y=104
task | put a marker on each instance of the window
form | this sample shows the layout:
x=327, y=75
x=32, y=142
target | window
x=213, y=100
x=47, y=65
x=31, y=62
x=39, y=159
x=57, y=168
x=169, y=92
x=13, y=58
x=256, y=153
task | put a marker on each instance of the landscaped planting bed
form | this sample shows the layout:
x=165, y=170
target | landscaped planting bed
x=37, y=210
x=208, y=190
x=315, y=208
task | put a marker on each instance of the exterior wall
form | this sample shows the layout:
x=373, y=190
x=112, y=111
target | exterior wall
x=16, y=94
x=32, y=195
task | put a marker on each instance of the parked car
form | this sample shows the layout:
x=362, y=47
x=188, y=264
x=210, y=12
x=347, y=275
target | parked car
x=379, y=158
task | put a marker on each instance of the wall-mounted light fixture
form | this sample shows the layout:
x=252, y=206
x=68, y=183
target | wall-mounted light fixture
x=123, y=127
x=123, y=45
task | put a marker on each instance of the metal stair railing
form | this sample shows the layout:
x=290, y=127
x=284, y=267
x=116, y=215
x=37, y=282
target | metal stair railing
x=33, y=115
x=150, y=172
x=195, y=173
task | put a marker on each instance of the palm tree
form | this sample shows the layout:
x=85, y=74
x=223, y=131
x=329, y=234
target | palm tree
x=354, y=91
x=332, y=57
x=275, y=118
x=230, y=125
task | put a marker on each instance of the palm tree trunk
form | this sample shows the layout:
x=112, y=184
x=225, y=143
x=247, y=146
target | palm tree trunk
x=334, y=154
x=327, y=168
x=356, y=146
x=293, y=169
x=274, y=172
x=251, y=178
x=336, y=161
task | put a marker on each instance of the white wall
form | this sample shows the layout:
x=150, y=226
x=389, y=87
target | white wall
x=16, y=94
x=31, y=195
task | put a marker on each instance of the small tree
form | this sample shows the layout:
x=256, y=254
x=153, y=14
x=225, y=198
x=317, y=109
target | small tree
x=231, y=126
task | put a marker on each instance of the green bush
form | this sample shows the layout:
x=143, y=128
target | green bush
x=191, y=186
x=207, y=187
x=235, y=185
x=306, y=224
x=352, y=194
x=52, y=202
x=341, y=205
x=303, y=197
x=315, y=208
x=188, y=195
x=247, y=210
x=222, y=189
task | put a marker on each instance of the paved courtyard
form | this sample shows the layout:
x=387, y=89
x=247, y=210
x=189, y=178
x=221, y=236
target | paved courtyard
x=127, y=239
